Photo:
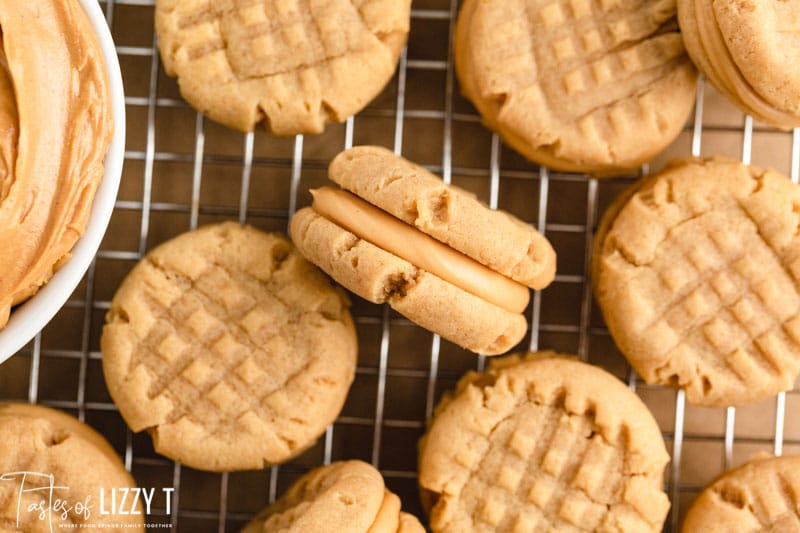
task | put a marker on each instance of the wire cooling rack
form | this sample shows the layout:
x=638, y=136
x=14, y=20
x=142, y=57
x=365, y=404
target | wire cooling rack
x=182, y=171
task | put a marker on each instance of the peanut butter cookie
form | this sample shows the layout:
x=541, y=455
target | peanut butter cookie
x=293, y=65
x=577, y=85
x=346, y=497
x=37, y=443
x=697, y=272
x=760, y=495
x=750, y=51
x=540, y=442
x=231, y=349
x=430, y=250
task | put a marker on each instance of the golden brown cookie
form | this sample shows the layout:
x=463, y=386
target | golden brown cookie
x=696, y=271
x=430, y=250
x=37, y=442
x=758, y=496
x=294, y=65
x=577, y=85
x=346, y=497
x=229, y=348
x=541, y=442
x=749, y=49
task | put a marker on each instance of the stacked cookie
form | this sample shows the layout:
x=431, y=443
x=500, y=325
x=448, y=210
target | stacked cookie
x=750, y=51
x=346, y=497
x=432, y=251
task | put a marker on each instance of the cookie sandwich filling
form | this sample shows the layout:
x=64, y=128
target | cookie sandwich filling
x=55, y=128
x=423, y=251
x=727, y=72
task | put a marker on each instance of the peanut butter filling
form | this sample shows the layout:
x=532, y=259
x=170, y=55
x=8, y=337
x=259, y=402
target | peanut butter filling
x=9, y=126
x=55, y=128
x=423, y=251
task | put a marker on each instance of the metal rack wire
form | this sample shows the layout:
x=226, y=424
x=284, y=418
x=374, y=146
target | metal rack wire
x=397, y=359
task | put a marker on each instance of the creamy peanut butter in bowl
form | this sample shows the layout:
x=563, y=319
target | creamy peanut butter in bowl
x=62, y=143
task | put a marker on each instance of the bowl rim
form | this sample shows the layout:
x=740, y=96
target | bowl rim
x=30, y=317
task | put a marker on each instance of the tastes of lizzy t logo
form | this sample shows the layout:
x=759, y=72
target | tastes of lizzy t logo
x=39, y=497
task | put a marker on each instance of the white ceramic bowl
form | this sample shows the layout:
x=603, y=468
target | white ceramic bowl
x=30, y=317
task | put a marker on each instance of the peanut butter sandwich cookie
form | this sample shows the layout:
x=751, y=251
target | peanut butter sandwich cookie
x=399, y=235
x=759, y=496
x=578, y=85
x=346, y=497
x=697, y=272
x=750, y=50
x=293, y=65
x=540, y=442
x=55, y=129
x=229, y=348
x=54, y=473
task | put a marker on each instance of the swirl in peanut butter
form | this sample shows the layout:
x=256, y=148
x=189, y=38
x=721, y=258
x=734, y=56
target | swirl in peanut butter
x=55, y=128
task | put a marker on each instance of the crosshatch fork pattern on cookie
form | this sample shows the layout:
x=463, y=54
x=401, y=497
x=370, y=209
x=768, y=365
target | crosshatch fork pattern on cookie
x=294, y=63
x=559, y=445
x=284, y=37
x=555, y=470
x=726, y=305
x=229, y=347
x=198, y=355
x=577, y=49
